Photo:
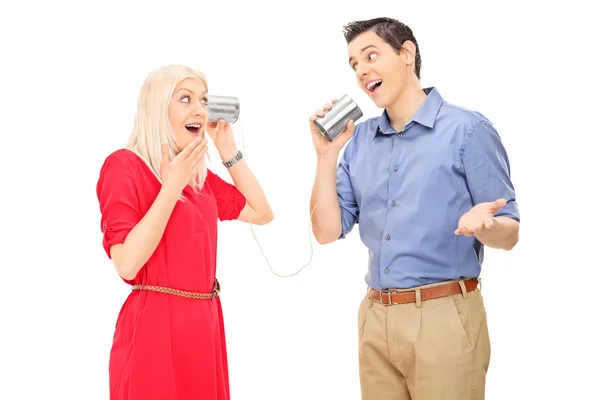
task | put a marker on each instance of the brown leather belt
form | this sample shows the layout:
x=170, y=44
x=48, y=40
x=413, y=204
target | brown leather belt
x=193, y=295
x=389, y=297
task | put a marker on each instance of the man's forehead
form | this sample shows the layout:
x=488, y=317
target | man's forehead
x=363, y=42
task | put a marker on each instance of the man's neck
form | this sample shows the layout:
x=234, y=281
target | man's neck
x=406, y=105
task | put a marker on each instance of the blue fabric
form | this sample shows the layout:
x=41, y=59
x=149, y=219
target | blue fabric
x=407, y=190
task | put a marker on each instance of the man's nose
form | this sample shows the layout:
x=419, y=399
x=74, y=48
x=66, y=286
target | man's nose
x=361, y=71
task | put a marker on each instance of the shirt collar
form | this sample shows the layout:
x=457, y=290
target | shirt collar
x=425, y=115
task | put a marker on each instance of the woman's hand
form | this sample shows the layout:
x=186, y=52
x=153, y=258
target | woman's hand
x=180, y=171
x=222, y=136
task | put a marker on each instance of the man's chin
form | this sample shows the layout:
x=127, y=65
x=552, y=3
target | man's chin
x=377, y=99
x=381, y=103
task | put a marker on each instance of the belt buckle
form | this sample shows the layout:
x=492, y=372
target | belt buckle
x=389, y=294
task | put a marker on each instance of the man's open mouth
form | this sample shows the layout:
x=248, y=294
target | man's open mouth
x=373, y=85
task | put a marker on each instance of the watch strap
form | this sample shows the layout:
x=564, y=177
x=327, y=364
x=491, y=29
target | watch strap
x=234, y=160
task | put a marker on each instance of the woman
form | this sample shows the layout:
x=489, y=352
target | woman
x=160, y=205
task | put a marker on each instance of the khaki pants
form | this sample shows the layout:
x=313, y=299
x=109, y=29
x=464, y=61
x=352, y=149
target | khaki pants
x=436, y=350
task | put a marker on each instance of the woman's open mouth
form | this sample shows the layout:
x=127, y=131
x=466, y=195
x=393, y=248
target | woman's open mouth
x=194, y=129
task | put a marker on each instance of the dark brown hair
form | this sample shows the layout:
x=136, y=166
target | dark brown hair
x=392, y=31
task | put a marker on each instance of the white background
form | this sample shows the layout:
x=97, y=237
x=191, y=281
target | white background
x=70, y=76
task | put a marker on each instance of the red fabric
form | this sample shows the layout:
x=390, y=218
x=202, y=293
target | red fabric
x=167, y=347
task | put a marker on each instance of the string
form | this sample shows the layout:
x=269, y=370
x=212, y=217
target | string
x=309, y=220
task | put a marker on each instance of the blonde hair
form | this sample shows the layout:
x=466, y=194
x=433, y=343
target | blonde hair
x=152, y=127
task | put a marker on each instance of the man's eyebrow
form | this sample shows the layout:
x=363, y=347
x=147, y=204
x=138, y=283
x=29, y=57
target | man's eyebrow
x=362, y=50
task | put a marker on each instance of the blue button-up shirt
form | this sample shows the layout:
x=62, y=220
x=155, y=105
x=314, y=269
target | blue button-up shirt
x=407, y=190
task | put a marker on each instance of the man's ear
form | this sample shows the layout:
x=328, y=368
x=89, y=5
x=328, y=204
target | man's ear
x=410, y=52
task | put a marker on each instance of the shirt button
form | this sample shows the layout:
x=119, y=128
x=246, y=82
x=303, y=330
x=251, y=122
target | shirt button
x=386, y=270
x=400, y=134
x=387, y=237
x=395, y=168
x=393, y=203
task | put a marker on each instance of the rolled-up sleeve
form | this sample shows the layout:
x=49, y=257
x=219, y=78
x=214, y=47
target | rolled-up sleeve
x=118, y=200
x=345, y=191
x=487, y=169
x=230, y=201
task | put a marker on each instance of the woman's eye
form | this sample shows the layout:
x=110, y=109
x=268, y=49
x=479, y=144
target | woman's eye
x=185, y=99
x=372, y=56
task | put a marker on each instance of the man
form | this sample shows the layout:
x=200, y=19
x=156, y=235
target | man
x=429, y=185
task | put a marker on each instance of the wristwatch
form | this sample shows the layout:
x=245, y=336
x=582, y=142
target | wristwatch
x=235, y=159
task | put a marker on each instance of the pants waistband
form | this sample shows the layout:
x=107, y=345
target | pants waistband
x=417, y=295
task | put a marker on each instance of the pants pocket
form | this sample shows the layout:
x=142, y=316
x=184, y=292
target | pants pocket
x=463, y=318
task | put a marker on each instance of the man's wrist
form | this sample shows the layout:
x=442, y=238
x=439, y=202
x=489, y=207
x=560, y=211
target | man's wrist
x=328, y=158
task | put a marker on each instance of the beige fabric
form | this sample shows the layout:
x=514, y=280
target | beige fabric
x=439, y=350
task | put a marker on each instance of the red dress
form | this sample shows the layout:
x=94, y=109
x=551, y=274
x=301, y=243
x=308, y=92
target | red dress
x=165, y=346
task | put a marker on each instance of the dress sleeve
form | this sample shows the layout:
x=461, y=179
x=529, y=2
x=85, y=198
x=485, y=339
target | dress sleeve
x=119, y=206
x=230, y=201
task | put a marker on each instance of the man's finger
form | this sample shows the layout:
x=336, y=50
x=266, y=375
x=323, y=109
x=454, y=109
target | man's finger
x=498, y=204
x=349, y=129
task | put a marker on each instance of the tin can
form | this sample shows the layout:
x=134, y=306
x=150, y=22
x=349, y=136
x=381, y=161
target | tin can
x=334, y=122
x=223, y=107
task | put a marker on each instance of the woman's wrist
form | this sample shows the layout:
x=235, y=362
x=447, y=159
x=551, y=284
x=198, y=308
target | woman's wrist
x=228, y=153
